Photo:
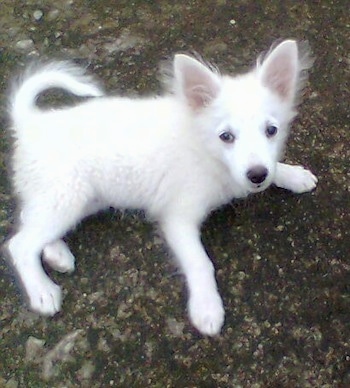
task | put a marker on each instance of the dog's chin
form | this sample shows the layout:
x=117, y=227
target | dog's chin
x=253, y=189
x=247, y=188
x=258, y=188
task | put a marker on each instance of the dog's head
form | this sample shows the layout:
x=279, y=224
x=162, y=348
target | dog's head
x=243, y=121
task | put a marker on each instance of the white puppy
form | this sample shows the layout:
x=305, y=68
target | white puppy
x=210, y=139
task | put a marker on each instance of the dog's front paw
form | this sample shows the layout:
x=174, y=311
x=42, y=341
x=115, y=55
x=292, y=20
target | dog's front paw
x=302, y=180
x=295, y=178
x=207, y=313
x=45, y=298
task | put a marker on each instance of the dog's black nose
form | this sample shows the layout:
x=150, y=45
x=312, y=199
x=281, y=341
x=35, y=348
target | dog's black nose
x=257, y=174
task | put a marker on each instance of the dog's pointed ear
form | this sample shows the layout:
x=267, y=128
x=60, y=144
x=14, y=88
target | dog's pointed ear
x=195, y=81
x=279, y=70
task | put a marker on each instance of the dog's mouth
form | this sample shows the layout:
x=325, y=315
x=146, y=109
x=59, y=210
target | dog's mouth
x=249, y=187
x=256, y=188
x=252, y=190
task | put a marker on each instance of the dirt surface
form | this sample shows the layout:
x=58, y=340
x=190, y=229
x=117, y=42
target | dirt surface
x=282, y=260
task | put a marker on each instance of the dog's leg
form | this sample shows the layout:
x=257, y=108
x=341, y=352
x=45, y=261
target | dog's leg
x=25, y=248
x=44, y=221
x=294, y=178
x=58, y=256
x=205, y=305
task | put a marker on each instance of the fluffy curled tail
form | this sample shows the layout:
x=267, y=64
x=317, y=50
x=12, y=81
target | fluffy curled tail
x=64, y=75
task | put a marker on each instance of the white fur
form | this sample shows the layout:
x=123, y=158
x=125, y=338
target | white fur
x=163, y=155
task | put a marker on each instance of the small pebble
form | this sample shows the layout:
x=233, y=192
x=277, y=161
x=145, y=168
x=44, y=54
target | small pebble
x=38, y=14
x=25, y=44
x=53, y=14
x=34, y=349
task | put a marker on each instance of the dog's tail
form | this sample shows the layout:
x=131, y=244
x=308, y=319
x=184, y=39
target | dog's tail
x=64, y=75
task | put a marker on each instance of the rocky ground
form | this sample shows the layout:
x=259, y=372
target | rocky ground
x=282, y=260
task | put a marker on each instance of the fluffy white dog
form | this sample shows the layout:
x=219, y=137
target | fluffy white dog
x=211, y=138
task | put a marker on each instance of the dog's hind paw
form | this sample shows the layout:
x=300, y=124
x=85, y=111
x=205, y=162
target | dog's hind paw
x=207, y=313
x=45, y=298
x=58, y=256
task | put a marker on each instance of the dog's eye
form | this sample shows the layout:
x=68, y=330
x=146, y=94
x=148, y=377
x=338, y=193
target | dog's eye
x=271, y=130
x=227, y=137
